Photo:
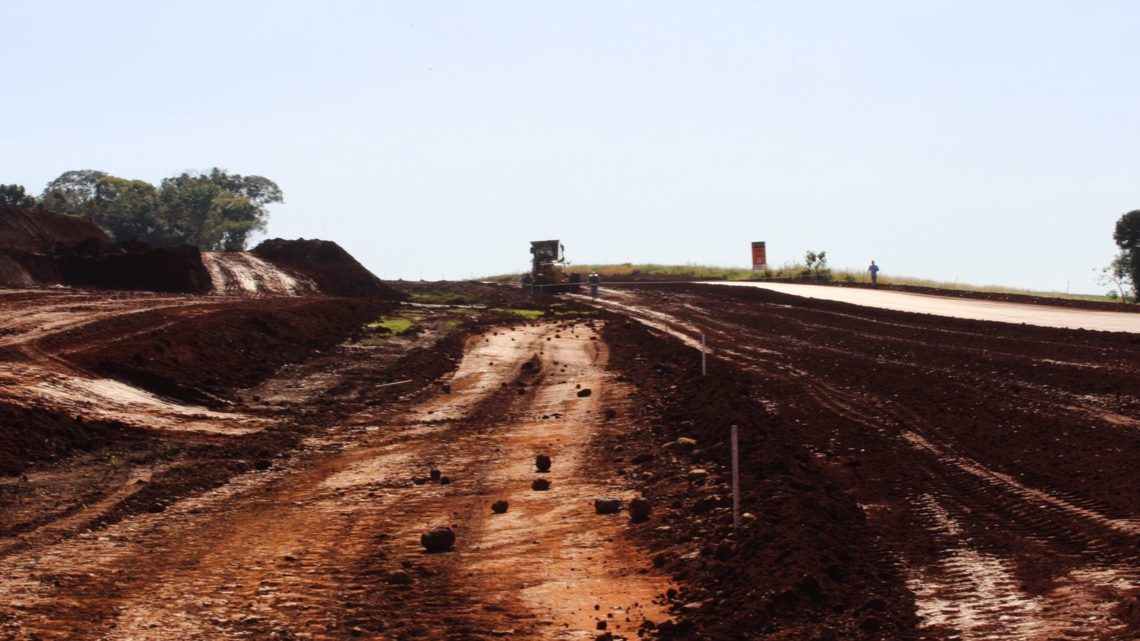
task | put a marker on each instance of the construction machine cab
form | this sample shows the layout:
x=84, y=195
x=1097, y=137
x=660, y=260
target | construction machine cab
x=548, y=264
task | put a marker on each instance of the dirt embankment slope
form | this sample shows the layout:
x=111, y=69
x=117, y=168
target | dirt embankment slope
x=327, y=264
x=42, y=248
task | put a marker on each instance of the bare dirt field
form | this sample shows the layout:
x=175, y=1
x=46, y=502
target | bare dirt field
x=235, y=467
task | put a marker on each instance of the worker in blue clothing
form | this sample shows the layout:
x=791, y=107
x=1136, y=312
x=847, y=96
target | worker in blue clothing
x=874, y=271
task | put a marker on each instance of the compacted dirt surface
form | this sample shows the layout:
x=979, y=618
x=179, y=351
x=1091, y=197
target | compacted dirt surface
x=261, y=463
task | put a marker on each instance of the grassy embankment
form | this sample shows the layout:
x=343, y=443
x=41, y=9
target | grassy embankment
x=794, y=271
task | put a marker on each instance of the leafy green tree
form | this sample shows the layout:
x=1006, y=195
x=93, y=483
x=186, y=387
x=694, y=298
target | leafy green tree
x=126, y=209
x=1118, y=274
x=72, y=192
x=816, y=266
x=218, y=210
x=1127, y=237
x=15, y=195
x=214, y=211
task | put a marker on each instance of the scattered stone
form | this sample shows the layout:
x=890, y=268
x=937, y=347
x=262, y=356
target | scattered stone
x=698, y=474
x=639, y=509
x=607, y=505
x=724, y=551
x=692, y=606
x=542, y=462
x=398, y=577
x=685, y=444
x=540, y=485
x=434, y=474
x=499, y=507
x=584, y=392
x=419, y=480
x=602, y=625
x=446, y=387
x=438, y=539
x=706, y=503
x=262, y=464
x=289, y=557
x=877, y=604
x=642, y=459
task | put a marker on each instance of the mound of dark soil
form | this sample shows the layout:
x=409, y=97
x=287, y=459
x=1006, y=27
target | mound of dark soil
x=333, y=269
x=805, y=564
x=135, y=266
x=36, y=435
x=29, y=239
x=37, y=230
x=40, y=247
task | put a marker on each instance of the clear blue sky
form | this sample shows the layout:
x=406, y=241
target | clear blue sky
x=994, y=142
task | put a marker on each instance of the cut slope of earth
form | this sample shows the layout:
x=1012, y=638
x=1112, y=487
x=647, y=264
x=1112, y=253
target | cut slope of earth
x=41, y=248
x=243, y=273
x=325, y=263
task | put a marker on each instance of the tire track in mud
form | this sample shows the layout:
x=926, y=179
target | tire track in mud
x=970, y=588
x=307, y=551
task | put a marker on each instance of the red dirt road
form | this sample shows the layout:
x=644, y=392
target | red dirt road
x=308, y=548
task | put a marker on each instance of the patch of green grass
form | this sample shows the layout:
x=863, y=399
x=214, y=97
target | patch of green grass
x=529, y=314
x=439, y=296
x=393, y=326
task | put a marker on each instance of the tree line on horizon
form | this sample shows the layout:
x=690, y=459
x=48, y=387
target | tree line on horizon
x=214, y=211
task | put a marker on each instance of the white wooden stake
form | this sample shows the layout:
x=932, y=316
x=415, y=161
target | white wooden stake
x=735, y=482
x=704, y=366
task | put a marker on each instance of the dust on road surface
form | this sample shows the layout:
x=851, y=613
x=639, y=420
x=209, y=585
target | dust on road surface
x=1041, y=315
x=307, y=549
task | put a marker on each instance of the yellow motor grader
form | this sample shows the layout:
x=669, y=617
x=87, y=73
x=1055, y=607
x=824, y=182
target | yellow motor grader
x=548, y=268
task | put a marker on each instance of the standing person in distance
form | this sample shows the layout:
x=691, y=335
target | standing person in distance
x=594, y=279
x=874, y=271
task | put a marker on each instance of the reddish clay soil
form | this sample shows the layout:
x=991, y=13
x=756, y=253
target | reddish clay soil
x=218, y=467
x=994, y=464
